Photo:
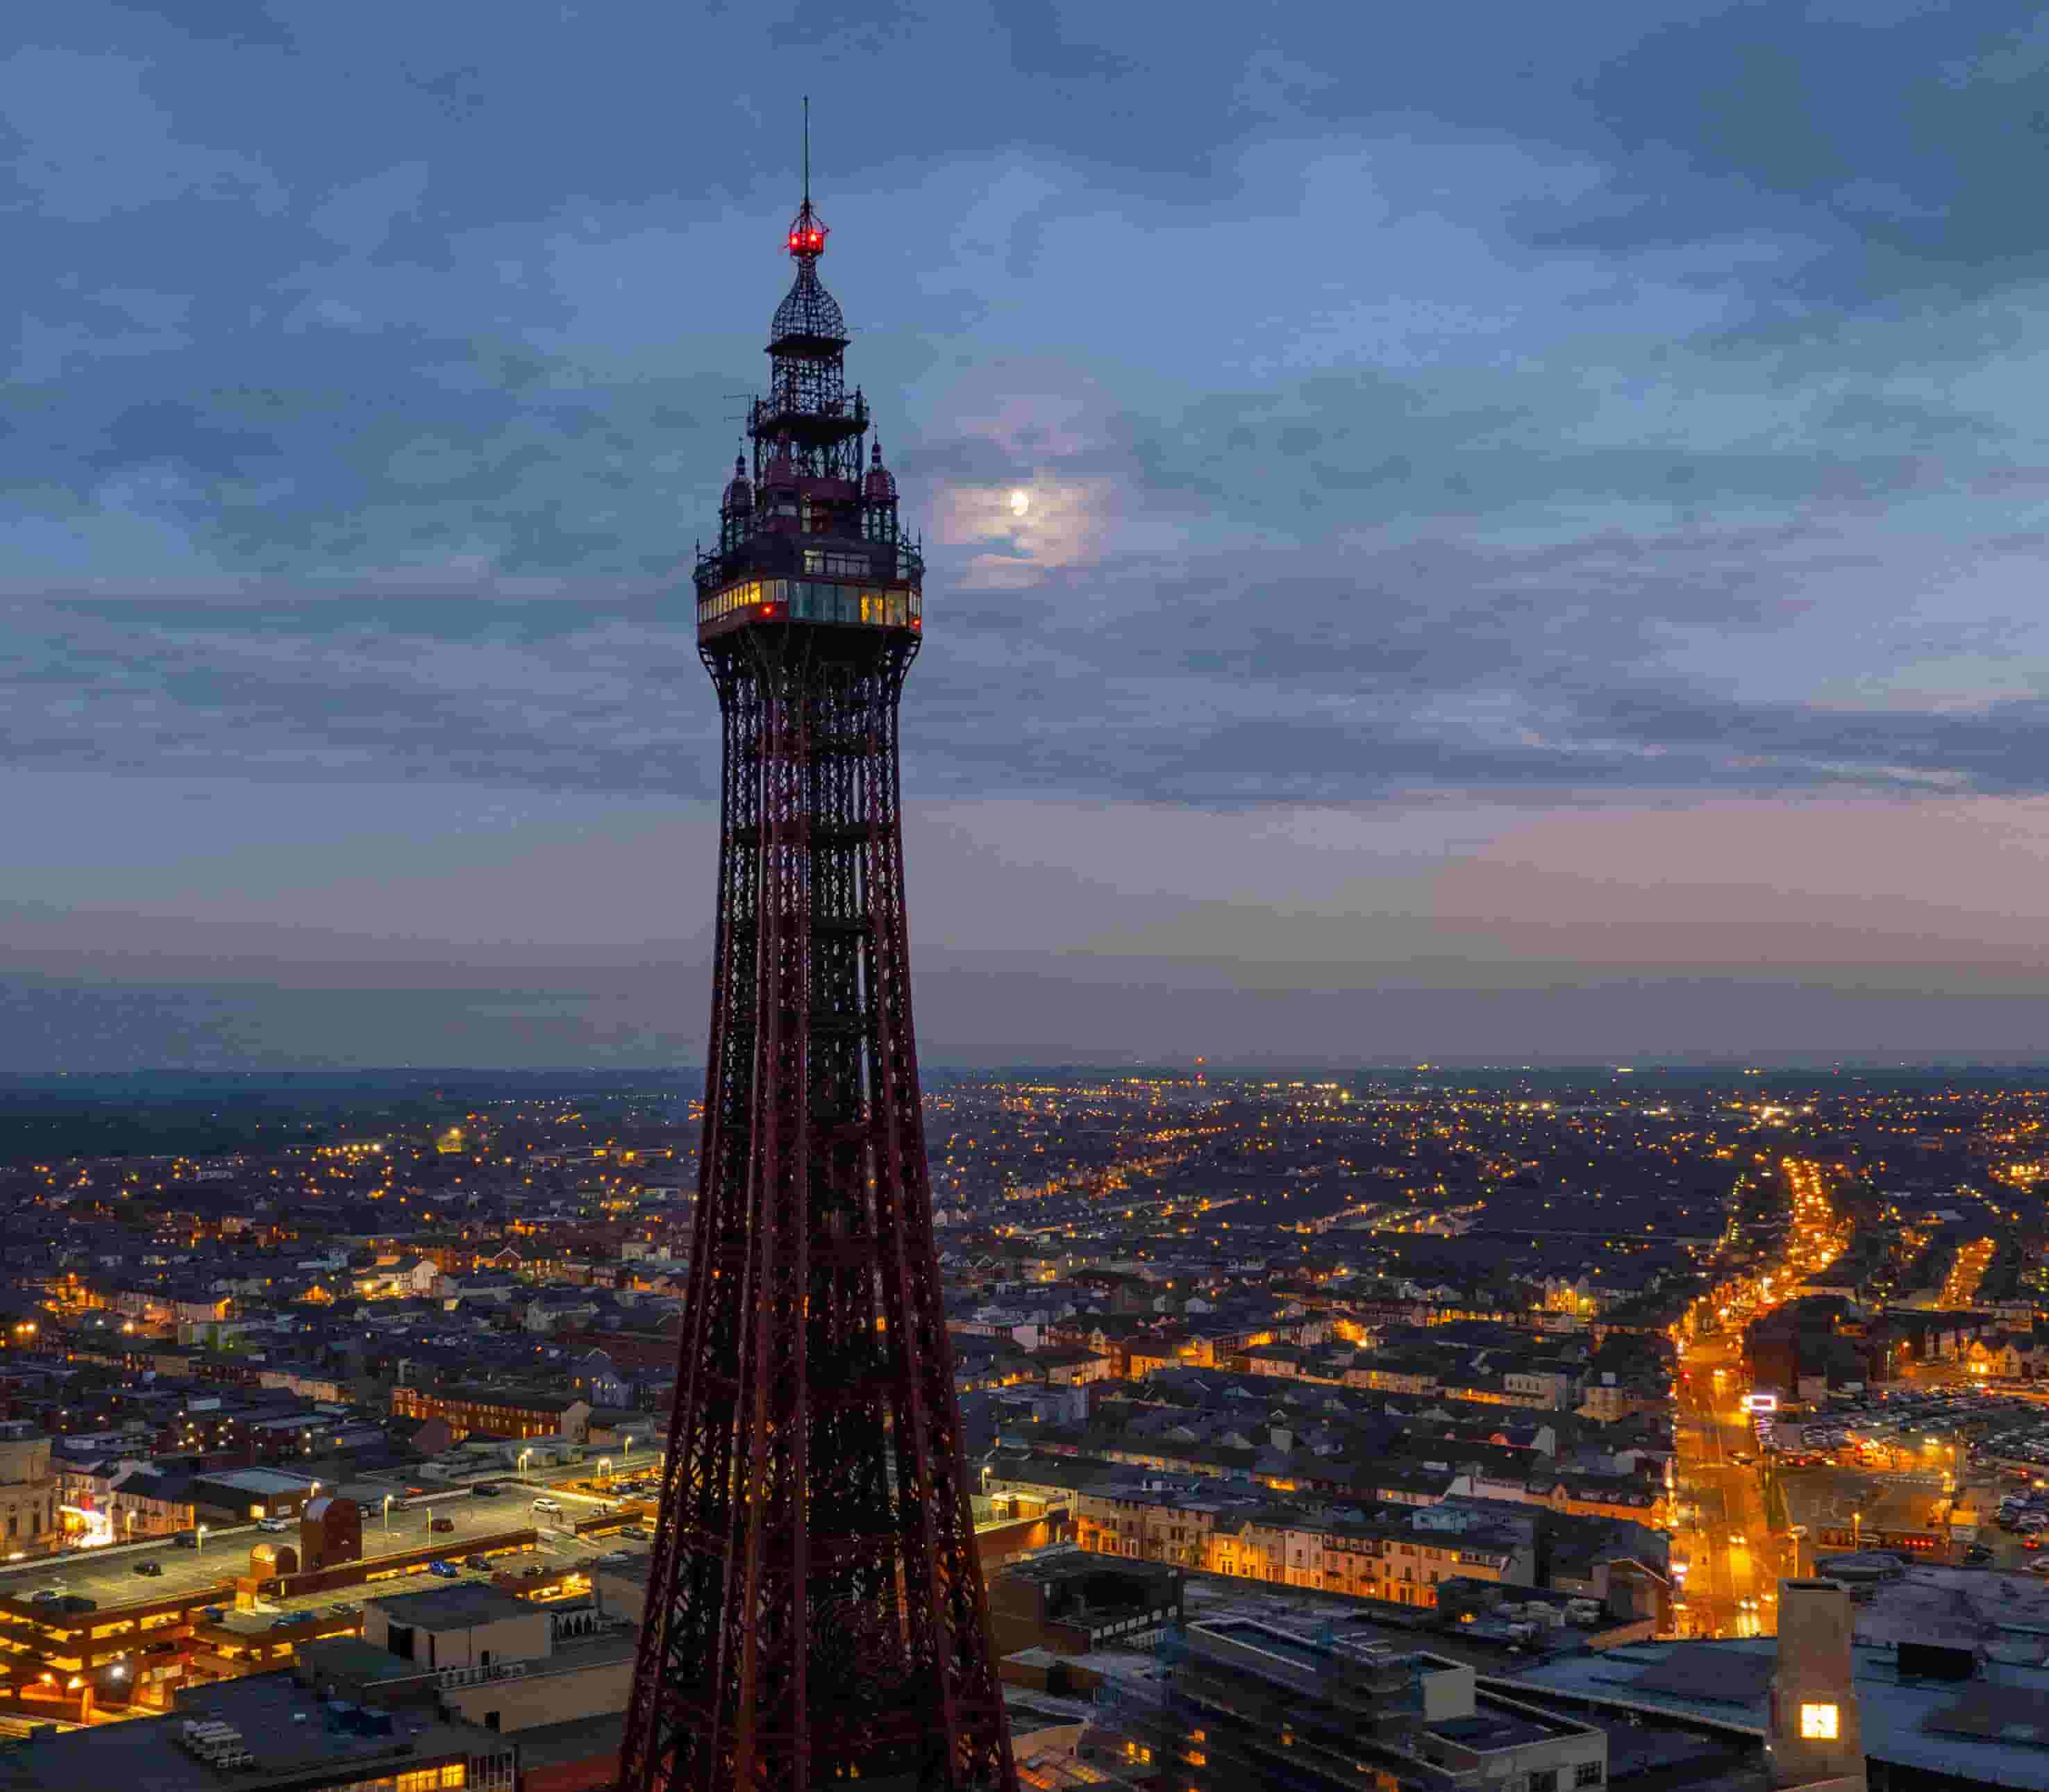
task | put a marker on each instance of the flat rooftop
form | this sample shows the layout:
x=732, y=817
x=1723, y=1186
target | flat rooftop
x=283, y=1726
x=1992, y=1728
x=1067, y=1561
x=452, y=1607
x=1490, y=1727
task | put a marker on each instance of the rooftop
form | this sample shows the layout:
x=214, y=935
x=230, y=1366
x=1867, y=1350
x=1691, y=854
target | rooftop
x=259, y=1480
x=283, y=1727
x=454, y=1607
x=1992, y=1728
x=1066, y=1560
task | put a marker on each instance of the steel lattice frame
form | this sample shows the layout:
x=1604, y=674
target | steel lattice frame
x=815, y=1603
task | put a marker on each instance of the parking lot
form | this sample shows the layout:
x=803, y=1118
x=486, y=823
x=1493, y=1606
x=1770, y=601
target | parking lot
x=557, y=1560
x=118, y=1575
x=1939, y=1428
x=109, y=1576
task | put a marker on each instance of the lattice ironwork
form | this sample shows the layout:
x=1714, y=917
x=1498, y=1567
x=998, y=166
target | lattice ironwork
x=815, y=1603
x=808, y=313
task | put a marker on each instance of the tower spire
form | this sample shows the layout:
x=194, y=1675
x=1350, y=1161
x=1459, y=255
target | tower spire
x=807, y=230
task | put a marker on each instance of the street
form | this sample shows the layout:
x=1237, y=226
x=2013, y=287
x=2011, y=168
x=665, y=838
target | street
x=1734, y=1563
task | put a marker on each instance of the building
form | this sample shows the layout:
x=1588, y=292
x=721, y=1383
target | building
x=462, y=1625
x=1399, y=1554
x=500, y=1411
x=1938, y=1710
x=1070, y=1600
x=1241, y=1701
x=556, y=1677
x=268, y=1733
x=27, y=1491
x=235, y=1496
x=1817, y=1738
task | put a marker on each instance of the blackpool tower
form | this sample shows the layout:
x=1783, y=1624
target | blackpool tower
x=816, y=1611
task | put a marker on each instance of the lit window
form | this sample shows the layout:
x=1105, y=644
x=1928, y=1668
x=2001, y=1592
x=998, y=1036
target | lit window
x=1819, y=1723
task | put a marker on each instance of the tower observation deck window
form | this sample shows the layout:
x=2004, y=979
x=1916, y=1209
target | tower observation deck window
x=836, y=566
x=818, y=601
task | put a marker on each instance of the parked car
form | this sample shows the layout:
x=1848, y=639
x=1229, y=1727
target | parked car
x=639, y=1533
x=215, y=1614
x=480, y=1565
x=274, y=1524
x=343, y=1609
x=483, y=1490
x=152, y=1568
x=441, y=1524
x=286, y=1619
x=1978, y=1553
x=544, y=1504
x=448, y=1571
x=186, y=1540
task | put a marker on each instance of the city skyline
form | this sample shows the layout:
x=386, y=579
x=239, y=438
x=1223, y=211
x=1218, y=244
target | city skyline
x=1522, y=555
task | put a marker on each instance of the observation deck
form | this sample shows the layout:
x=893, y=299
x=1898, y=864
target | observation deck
x=846, y=584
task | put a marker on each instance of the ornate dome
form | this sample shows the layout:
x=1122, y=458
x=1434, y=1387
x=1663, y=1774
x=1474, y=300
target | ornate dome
x=808, y=310
x=739, y=494
x=881, y=482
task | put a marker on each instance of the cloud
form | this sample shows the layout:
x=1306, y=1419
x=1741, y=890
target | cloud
x=1626, y=402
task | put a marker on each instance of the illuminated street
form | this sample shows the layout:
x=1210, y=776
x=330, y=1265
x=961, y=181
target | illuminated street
x=1733, y=1561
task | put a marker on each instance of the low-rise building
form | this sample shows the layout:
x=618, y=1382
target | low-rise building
x=1072, y=1600
x=1240, y=1700
x=1399, y=1554
x=266, y=1733
x=504, y=1412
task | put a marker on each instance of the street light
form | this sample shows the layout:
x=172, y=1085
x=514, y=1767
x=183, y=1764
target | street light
x=605, y=1470
x=199, y=1540
x=388, y=1499
x=523, y=1456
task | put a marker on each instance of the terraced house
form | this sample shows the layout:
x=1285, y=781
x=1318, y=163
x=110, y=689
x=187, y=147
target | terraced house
x=1398, y=1554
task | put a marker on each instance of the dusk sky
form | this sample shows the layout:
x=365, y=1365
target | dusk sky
x=1535, y=543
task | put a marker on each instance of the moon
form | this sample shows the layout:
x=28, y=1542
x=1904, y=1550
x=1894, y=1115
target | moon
x=1020, y=501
